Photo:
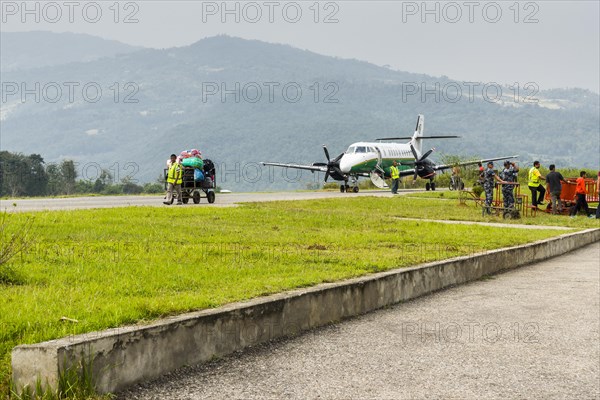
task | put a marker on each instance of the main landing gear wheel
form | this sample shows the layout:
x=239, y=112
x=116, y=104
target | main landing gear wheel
x=355, y=189
x=432, y=185
x=427, y=186
x=342, y=188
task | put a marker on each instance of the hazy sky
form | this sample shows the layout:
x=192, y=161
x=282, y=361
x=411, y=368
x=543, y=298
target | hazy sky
x=551, y=43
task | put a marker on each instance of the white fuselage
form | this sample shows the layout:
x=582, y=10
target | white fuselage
x=362, y=156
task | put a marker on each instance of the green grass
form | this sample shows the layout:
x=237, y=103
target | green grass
x=445, y=194
x=427, y=205
x=110, y=267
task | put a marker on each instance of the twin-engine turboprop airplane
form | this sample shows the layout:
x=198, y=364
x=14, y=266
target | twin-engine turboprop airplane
x=373, y=159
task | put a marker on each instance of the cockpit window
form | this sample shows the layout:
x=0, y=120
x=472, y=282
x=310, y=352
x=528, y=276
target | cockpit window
x=350, y=150
x=361, y=149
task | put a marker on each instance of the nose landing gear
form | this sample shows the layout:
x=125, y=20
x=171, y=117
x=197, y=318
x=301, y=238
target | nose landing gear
x=347, y=188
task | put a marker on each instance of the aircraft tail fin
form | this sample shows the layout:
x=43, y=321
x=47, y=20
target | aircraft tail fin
x=418, y=135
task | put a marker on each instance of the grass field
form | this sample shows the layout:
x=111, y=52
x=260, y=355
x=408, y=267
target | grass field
x=109, y=267
x=470, y=212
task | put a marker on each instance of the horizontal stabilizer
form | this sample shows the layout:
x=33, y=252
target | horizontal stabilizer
x=422, y=137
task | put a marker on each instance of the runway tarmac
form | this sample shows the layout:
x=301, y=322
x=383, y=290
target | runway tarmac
x=222, y=200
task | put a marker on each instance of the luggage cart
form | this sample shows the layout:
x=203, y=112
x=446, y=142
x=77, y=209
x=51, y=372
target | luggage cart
x=197, y=189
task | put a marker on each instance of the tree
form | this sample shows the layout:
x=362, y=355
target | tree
x=11, y=174
x=61, y=178
x=22, y=175
x=54, y=186
x=68, y=173
x=103, y=180
x=36, y=178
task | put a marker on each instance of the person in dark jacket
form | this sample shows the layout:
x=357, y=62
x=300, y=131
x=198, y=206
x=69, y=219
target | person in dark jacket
x=555, y=181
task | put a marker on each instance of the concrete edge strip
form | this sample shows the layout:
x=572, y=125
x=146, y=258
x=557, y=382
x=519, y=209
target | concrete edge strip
x=121, y=357
x=493, y=224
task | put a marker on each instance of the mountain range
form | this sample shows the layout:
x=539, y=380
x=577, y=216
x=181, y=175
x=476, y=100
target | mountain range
x=111, y=106
x=36, y=49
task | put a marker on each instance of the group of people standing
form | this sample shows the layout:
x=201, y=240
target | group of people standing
x=555, y=181
x=508, y=180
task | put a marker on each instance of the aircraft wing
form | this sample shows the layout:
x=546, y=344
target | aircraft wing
x=316, y=167
x=483, y=162
x=312, y=167
x=407, y=172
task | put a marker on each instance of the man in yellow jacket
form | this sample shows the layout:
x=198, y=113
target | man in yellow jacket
x=174, y=180
x=395, y=174
x=535, y=186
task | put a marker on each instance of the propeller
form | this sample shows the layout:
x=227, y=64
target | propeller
x=326, y=153
x=333, y=166
x=419, y=162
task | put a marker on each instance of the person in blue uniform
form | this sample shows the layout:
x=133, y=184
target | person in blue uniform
x=489, y=175
x=509, y=175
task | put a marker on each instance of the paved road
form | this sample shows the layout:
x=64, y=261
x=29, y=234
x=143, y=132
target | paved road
x=222, y=200
x=530, y=333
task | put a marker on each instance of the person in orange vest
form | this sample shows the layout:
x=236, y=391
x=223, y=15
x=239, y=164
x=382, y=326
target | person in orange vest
x=580, y=193
x=481, y=173
x=598, y=188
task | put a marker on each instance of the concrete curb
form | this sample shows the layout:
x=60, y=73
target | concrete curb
x=121, y=357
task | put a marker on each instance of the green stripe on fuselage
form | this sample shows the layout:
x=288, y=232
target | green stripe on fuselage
x=386, y=163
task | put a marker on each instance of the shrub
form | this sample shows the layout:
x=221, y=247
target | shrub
x=153, y=188
x=477, y=190
x=13, y=240
x=132, y=188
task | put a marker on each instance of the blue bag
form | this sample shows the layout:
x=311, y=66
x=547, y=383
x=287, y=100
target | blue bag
x=198, y=175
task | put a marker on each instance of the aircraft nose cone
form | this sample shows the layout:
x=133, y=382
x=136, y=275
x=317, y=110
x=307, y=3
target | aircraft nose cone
x=345, y=165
